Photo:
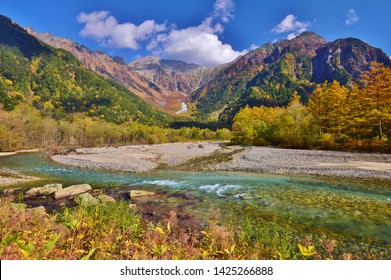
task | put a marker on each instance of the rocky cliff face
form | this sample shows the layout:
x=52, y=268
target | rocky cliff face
x=345, y=59
x=173, y=75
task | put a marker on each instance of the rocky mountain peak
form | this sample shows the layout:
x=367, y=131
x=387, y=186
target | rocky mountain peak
x=172, y=74
x=119, y=60
x=311, y=36
x=305, y=43
x=155, y=63
x=179, y=66
x=145, y=63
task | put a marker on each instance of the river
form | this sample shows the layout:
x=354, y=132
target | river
x=359, y=208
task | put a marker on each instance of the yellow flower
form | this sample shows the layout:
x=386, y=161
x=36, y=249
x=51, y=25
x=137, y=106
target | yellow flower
x=307, y=251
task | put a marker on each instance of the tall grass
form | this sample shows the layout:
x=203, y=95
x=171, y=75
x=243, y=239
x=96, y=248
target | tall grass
x=116, y=231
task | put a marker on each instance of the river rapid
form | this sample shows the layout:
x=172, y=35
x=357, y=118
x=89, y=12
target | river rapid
x=349, y=207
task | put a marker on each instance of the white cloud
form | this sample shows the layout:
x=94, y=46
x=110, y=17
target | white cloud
x=224, y=9
x=351, y=17
x=289, y=24
x=199, y=44
x=196, y=45
x=106, y=30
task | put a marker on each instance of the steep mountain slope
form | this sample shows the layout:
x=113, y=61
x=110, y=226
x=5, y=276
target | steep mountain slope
x=162, y=83
x=117, y=70
x=173, y=75
x=55, y=82
x=345, y=60
x=270, y=74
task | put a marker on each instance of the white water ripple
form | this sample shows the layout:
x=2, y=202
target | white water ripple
x=219, y=189
x=165, y=183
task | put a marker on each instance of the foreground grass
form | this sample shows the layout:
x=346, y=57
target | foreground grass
x=116, y=231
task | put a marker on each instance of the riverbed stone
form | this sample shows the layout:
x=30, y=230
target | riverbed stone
x=10, y=191
x=45, y=190
x=86, y=199
x=50, y=188
x=140, y=193
x=106, y=199
x=72, y=191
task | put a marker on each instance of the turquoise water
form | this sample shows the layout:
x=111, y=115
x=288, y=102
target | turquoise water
x=356, y=207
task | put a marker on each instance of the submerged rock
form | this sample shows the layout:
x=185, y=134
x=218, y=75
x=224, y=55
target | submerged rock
x=139, y=193
x=72, y=191
x=45, y=190
x=185, y=196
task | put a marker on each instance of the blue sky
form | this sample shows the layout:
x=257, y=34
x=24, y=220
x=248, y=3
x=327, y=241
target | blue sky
x=206, y=32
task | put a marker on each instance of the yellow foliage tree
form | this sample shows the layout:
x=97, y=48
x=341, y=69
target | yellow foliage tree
x=254, y=125
x=376, y=95
x=328, y=105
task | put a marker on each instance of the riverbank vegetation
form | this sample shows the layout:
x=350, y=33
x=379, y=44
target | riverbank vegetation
x=336, y=117
x=48, y=98
x=116, y=231
x=25, y=127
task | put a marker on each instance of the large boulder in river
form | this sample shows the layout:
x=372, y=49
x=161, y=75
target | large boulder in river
x=106, y=199
x=86, y=199
x=45, y=190
x=72, y=191
x=139, y=193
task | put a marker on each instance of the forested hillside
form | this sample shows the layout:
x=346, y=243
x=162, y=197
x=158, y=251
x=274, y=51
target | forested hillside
x=56, y=83
x=48, y=98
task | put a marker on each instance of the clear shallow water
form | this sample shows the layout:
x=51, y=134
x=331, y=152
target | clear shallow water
x=357, y=208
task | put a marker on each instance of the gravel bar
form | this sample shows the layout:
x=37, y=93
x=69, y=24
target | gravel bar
x=143, y=158
x=312, y=162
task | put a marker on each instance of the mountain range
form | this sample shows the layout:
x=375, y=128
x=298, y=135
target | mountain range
x=268, y=75
x=162, y=83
